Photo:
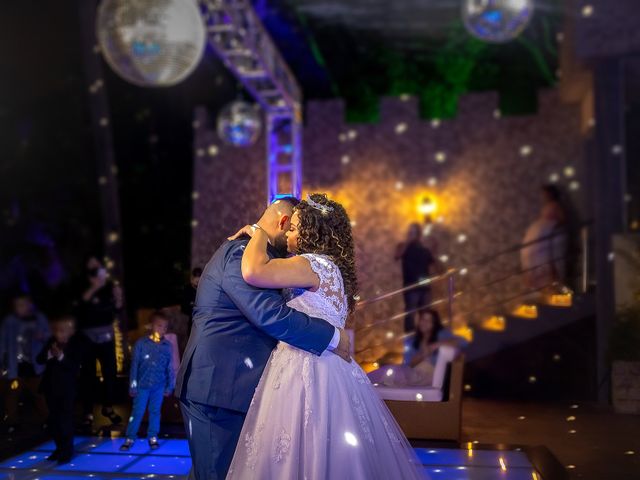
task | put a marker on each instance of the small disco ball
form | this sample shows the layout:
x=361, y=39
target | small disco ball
x=151, y=43
x=496, y=21
x=239, y=124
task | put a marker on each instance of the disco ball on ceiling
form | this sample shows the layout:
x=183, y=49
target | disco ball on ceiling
x=151, y=43
x=496, y=20
x=239, y=124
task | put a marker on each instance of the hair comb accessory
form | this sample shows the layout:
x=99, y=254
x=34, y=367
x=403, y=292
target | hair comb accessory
x=323, y=208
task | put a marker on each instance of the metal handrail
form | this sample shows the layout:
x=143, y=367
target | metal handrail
x=397, y=316
x=520, y=246
x=395, y=339
x=506, y=300
x=421, y=283
x=512, y=249
x=517, y=272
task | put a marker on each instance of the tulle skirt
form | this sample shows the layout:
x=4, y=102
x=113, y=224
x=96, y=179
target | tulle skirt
x=317, y=418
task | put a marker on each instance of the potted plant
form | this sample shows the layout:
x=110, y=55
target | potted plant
x=624, y=352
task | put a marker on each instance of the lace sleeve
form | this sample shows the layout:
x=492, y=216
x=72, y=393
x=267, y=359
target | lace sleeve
x=331, y=286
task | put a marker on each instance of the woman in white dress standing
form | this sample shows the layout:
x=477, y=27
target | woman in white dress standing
x=316, y=417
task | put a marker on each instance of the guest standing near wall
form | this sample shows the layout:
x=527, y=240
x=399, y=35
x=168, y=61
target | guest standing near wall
x=96, y=312
x=417, y=263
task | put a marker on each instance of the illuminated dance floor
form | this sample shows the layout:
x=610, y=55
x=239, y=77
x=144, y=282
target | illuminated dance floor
x=100, y=458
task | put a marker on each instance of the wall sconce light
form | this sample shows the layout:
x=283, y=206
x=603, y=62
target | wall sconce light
x=426, y=207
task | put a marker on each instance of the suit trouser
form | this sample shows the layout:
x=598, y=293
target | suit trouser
x=414, y=299
x=61, y=422
x=213, y=434
x=105, y=353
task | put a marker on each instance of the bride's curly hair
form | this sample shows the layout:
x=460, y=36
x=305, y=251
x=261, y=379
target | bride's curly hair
x=328, y=232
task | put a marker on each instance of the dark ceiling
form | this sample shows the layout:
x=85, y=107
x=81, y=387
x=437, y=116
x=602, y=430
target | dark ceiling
x=364, y=49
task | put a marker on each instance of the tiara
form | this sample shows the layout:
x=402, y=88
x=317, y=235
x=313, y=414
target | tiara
x=318, y=206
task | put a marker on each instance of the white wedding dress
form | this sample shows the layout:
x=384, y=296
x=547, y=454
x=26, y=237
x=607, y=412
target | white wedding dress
x=318, y=417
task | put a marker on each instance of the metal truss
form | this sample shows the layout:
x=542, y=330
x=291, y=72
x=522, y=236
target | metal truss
x=238, y=37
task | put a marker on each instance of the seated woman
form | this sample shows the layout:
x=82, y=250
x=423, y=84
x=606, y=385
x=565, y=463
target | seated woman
x=421, y=355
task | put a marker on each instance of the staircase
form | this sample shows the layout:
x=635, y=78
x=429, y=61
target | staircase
x=489, y=338
x=546, y=330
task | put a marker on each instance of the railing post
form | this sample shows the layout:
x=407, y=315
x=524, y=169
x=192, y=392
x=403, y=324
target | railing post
x=584, y=240
x=450, y=295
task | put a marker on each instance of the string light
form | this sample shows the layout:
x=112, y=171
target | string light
x=102, y=180
x=569, y=171
x=616, y=149
x=432, y=182
x=497, y=114
x=462, y=238
x=574, y=185
x=352, y=134
x=401, y=128
x=399, y=185
x=104, y=121
x=441, y=157
x=345, y=159
x=526, y=150
x=435, y=123
x=213, y=150
x=404, y=97
x=200, y=152
x=195, y=195
x=554, y=177
x=587, y=11
x=194, y=223
x=195, y=124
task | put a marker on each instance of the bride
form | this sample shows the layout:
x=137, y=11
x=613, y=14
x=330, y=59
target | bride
x=316, y=417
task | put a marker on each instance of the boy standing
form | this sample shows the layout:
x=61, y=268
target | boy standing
x=152, y=378
x=61, y=356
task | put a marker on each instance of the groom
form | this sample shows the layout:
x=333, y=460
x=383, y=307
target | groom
x=235, y=328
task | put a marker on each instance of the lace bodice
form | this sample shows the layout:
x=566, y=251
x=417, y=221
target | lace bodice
x=329, y=302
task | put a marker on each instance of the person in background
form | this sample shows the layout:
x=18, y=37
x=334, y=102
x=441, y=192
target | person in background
x=189, y=295
x=152, y=378
x=421, y=354
x=61, y=357
x=543, y=258
x=22, y=334
x=417, y=263
x=96, y=313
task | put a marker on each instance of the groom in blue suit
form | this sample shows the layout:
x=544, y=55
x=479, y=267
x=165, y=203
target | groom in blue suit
x=235, y=328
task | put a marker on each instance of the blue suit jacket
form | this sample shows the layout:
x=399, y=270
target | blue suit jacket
x=235, y=328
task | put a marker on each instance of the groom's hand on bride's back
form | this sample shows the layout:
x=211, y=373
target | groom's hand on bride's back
x=343, y=350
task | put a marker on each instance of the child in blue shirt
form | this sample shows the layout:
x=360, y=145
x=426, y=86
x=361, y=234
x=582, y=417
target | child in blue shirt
x=151, y=378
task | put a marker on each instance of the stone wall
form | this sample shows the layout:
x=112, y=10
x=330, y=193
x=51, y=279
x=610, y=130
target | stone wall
x=482, y=170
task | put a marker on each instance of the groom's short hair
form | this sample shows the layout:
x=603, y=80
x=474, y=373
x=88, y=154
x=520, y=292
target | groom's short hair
x=290, y=199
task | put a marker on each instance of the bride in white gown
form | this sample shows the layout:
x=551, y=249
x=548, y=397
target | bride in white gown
x=316, y=417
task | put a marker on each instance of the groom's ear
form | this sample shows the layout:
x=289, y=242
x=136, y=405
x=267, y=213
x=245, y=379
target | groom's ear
x=284, y=219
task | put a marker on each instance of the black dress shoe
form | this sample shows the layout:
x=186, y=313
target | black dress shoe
x=53, y=457
x=63, y=460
